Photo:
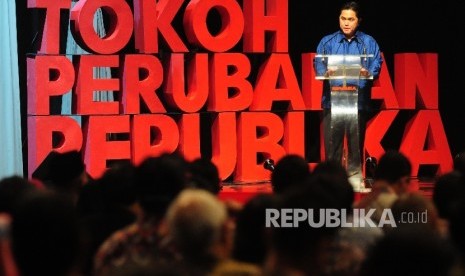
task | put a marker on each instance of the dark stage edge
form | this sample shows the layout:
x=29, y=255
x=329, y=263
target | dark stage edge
x=243, y=191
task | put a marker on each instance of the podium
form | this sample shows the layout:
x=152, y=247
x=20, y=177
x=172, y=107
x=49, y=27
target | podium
x=343, y=73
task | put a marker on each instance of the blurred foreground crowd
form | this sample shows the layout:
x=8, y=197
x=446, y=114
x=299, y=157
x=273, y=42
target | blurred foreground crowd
x=165, y=217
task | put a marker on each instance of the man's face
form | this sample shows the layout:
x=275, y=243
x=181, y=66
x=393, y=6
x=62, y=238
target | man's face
x=348, y=22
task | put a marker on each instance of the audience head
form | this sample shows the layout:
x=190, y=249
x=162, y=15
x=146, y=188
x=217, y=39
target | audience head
x=251, y=238
x=447, y=191
x=117, y=185
x=410, y=251
x=44, y=235
x=289, y=172
x=203, y=174
x=157, y=268
x=457, y=226
x=63, y=172
x=297, y=247
x=105, y=205
x=459, y=163
x=395, y=169
x=12, y=190
x=114, y=189
x=415, y=208
x=196, y=220
x=158, y=180
x=332, y=176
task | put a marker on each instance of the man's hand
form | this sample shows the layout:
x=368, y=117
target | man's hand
x=364, y=72
x=330, y=72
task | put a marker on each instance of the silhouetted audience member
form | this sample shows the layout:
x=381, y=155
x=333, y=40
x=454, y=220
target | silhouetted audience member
x=411, y=251
x=12, y=190
x=331, y=168
x=296, y=247
x=158, y=180
x=90, y=199
x=64, y=173
x=251, y=237
x=7, y=263
x=459, y=163
x=343, y=253
x=392, y=178
x=394, y=169
x=114, y=189
x=447, y=192
x=44, y=235
x=153, y=269
x=457, y=228
x=334, y=178
x=415, y=208
x=290, y=171
x=105, y=206
x=203, y=174
x=201, y=233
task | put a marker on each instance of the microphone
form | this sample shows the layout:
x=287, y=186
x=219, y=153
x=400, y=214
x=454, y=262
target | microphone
x=269, y=164
x=324, y=45
x=33, y=41
x=371, y=164
x=363, y=61
x=364, y=50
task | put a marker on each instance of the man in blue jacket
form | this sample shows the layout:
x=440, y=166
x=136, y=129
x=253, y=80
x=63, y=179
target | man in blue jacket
x=346, y=42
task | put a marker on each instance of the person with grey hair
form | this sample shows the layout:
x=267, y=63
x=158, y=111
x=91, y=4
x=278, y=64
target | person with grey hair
x=201, y=232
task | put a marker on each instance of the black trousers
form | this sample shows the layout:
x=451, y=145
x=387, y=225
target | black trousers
x=353, y=129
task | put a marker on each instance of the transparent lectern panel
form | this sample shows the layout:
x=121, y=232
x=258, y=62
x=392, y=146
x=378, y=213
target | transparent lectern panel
x=341, y=66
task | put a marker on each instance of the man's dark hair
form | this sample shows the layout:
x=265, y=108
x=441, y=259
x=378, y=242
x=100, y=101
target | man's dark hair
x=392, y=166
x=354, y=6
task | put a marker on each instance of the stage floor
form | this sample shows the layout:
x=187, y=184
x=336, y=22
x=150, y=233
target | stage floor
x=242, y=192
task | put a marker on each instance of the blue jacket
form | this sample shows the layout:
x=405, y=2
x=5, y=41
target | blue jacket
x=361, y=44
